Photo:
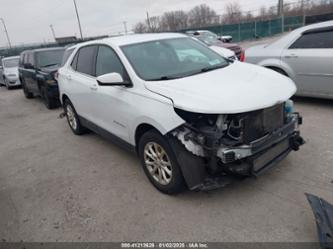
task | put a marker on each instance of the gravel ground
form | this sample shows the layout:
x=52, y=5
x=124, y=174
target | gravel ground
x=55, y=186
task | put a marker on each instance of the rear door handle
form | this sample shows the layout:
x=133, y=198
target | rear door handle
x=94, y=87
x=291, y=56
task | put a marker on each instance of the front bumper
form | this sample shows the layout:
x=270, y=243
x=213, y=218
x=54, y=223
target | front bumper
x=242, y=161
x=14, y=82
x=53, y=91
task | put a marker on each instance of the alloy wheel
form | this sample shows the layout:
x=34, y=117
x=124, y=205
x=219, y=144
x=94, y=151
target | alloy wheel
x=158, y=163
x=71, y=117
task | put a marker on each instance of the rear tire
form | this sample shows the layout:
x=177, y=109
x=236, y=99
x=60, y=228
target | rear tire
x=73, y=119
x=160, y=164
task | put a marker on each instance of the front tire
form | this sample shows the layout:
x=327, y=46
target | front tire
x=7, y=84
x=73, y=119
x=160, y=164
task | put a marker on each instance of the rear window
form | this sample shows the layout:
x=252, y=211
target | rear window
x=11, y=62
x=49, y=58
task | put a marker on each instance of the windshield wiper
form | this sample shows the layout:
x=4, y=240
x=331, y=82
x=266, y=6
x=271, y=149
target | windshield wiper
x=50, y=65
x=203, y=70
x=166, y=78
x=211, y=68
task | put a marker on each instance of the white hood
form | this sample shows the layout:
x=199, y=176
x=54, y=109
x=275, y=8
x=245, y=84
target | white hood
x=226, y=53
x=237, y=88
x=11, y=71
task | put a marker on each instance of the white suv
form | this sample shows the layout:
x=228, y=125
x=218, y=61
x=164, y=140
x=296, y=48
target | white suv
x=194, y=118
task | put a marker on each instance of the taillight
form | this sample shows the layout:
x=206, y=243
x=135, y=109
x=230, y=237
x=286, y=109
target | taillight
x=242, y=56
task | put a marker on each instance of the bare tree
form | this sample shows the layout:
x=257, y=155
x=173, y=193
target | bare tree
x=233, y=13
x=263, y=13
x=153, y=24
x=174, y=20
x=140, y=28
x=202, y=15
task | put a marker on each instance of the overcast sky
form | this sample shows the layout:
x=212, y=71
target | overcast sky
x=28, y=21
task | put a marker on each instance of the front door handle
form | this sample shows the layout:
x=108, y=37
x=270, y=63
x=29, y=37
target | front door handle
x=94, y=87
x=291, y=56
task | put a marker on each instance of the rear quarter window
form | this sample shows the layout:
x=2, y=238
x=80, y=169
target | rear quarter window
x=67, y=54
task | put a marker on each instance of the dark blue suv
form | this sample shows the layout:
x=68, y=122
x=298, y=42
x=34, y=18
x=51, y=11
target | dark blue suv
x=37, y=72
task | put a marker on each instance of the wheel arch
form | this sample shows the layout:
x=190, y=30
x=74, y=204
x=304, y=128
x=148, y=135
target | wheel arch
x=278, y=68
x=278, y=64
x=140, y=130
x=64, y=97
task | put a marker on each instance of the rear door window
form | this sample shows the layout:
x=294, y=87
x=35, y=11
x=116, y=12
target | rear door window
x=86, y=60
x=317, y=40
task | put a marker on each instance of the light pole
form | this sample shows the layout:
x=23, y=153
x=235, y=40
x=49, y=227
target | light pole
x=53, y=33
x=125, y=27
x=4, y=25
x=78, y=19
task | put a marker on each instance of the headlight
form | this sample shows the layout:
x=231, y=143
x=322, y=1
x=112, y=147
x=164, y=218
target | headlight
x=289, y=106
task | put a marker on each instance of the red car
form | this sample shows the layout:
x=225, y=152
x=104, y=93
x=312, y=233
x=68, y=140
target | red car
x=212, y=39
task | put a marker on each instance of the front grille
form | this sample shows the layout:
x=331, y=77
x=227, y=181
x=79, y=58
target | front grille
x=259, y=123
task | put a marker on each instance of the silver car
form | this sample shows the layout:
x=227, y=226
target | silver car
x=305, y=55
x=10, y=71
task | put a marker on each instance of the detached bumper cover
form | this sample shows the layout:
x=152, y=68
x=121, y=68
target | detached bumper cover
x=323, y=212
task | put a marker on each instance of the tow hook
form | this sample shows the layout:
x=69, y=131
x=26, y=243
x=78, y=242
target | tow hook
x=296, y=141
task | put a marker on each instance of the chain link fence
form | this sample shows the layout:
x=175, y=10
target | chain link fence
x=256, y=29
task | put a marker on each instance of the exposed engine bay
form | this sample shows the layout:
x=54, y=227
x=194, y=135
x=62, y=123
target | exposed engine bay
x=224, y=140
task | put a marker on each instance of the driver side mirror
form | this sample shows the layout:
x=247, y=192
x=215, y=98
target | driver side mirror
x=112, y=79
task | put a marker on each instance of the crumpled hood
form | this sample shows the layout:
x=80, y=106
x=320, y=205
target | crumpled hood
x=237, y=88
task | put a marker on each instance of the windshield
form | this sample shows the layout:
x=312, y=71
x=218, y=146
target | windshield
x=208, y=38
x=11, y=62
x=49, y=58
x=172, y=58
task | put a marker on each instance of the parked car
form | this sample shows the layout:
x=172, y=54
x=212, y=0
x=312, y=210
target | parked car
x=10, y=76
x=1, y=72
x=37, y=71
x=305, y=55
x=226, y=53
x=212, y=39
x=193, y=117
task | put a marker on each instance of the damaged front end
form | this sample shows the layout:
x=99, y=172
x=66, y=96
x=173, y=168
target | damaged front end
x=222, y=147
